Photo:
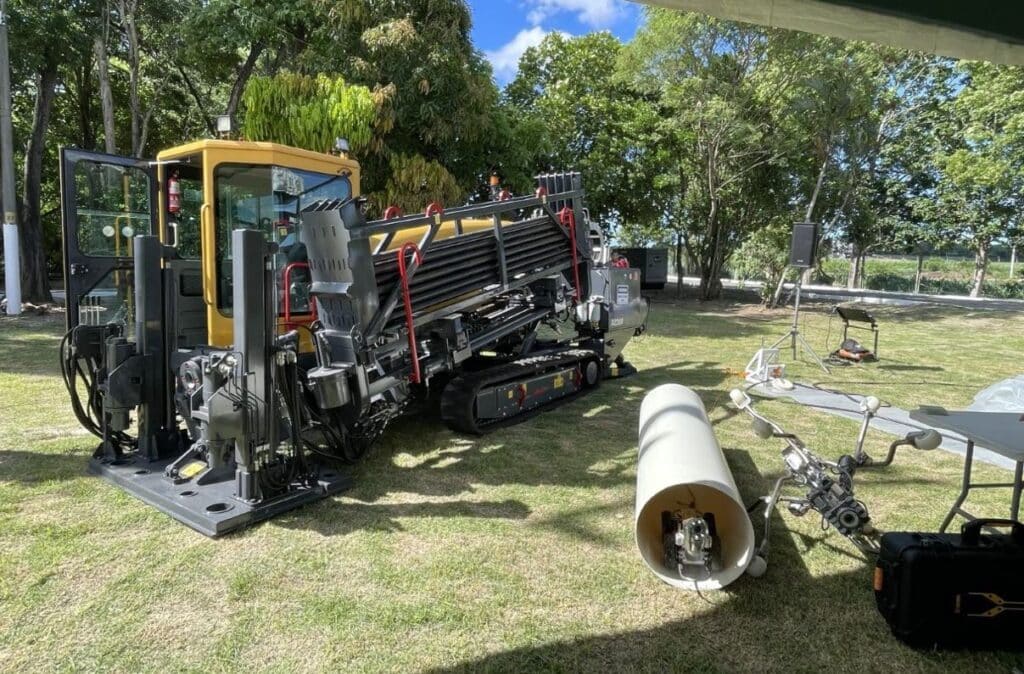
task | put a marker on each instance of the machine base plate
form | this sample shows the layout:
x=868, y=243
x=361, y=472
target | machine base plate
x=210, y=509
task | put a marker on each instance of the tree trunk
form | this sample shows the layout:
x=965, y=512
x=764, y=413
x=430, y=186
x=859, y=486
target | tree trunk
x=679, y=264
x=83, y=87
x=243, y=78
x=198, y=99
x=809, y=213
x=920, y=272
x=777, y=295
x=710, y=255
x=35, y=281
x=127, y=10
x=980, y=268
x=711, y=280
x=1013, y=259
x=854, y=272
x=99, y=47
x=710, y=285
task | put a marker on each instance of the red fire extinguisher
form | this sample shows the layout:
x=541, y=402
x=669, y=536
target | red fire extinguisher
x=173, y=195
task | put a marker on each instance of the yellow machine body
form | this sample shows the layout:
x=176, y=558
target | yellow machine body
x=205, y=160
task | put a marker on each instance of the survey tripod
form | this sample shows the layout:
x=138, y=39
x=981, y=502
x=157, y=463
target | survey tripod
x=794, y=335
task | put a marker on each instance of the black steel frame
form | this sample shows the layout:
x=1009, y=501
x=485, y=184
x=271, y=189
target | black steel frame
x=433, y=221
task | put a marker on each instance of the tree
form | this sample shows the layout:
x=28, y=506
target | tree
x=711, y=142
x=254, y=37
x=101, y=42
x=981, y=163
x=567, y=87
x=435, y=91
x=34, y=27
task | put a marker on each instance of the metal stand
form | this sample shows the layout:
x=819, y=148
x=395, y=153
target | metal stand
x=794, y=332
x=967, y=486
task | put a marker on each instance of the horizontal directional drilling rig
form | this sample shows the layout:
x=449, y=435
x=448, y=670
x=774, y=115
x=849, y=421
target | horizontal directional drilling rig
x=337, y=325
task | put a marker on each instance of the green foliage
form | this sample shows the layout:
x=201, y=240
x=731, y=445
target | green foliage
x=308, y=112
x=701, y=134
x=764, y=256
x=981, y=157
x=441, y=99
x=566, y=87
x=415, y=182
x=707, y=149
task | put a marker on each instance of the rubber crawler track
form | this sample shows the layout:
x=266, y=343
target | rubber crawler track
x=458, y=402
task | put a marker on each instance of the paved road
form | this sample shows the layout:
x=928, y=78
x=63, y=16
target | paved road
x=874, y=296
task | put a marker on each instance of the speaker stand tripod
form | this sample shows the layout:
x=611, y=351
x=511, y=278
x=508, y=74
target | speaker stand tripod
x=794, y=332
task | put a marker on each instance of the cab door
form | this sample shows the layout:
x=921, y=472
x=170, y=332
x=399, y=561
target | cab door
x=106, y=201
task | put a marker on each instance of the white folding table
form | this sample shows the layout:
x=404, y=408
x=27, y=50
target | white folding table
x=999, y=432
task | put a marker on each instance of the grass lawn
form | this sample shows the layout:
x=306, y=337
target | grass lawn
x=512, y=552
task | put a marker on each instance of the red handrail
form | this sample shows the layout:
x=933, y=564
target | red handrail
x=286, y=281
x=407, y=301
x=568, y=218
x=392, y=212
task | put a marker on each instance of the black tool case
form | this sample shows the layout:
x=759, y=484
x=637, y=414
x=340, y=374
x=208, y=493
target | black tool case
x=954, y=590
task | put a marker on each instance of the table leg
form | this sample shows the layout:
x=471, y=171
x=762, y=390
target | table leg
x=1018, y=473
x=965, y=487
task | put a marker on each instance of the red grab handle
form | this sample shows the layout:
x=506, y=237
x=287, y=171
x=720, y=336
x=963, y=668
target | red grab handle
x=568, y=218
x=403, y=277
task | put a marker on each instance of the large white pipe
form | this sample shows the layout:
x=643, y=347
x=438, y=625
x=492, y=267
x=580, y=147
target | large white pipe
x=681, y=467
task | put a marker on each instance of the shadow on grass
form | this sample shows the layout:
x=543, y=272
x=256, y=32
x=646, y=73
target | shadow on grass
x=548, y=449
x=739, y=631
x=911, y=368
x=749, y=626
x=545, y=450
x=35, y=467
x=578, y=522
x=734, y=630
x=338, y=519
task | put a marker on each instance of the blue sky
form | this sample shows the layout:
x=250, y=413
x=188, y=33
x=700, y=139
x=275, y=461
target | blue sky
x=504, y=29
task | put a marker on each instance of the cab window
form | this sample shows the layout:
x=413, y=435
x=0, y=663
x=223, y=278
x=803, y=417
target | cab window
x=270, y=199
x=113, y=206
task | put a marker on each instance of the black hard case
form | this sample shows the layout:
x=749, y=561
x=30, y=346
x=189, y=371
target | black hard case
x=954, y=590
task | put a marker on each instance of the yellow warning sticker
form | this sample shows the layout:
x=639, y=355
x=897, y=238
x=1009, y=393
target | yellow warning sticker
x=191, y=469
x=559, y=381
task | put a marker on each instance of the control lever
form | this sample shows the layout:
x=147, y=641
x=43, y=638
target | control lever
x=869, y=407
x=925, y=440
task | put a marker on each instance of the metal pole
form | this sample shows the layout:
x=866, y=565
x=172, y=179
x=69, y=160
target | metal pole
x=12, y=253
x=796, y=313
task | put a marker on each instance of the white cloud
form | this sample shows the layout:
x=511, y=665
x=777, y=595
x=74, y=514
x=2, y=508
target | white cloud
x=594, y=13
x=505, y=59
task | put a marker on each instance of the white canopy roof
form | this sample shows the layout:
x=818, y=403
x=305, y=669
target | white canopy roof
x=967, y=29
